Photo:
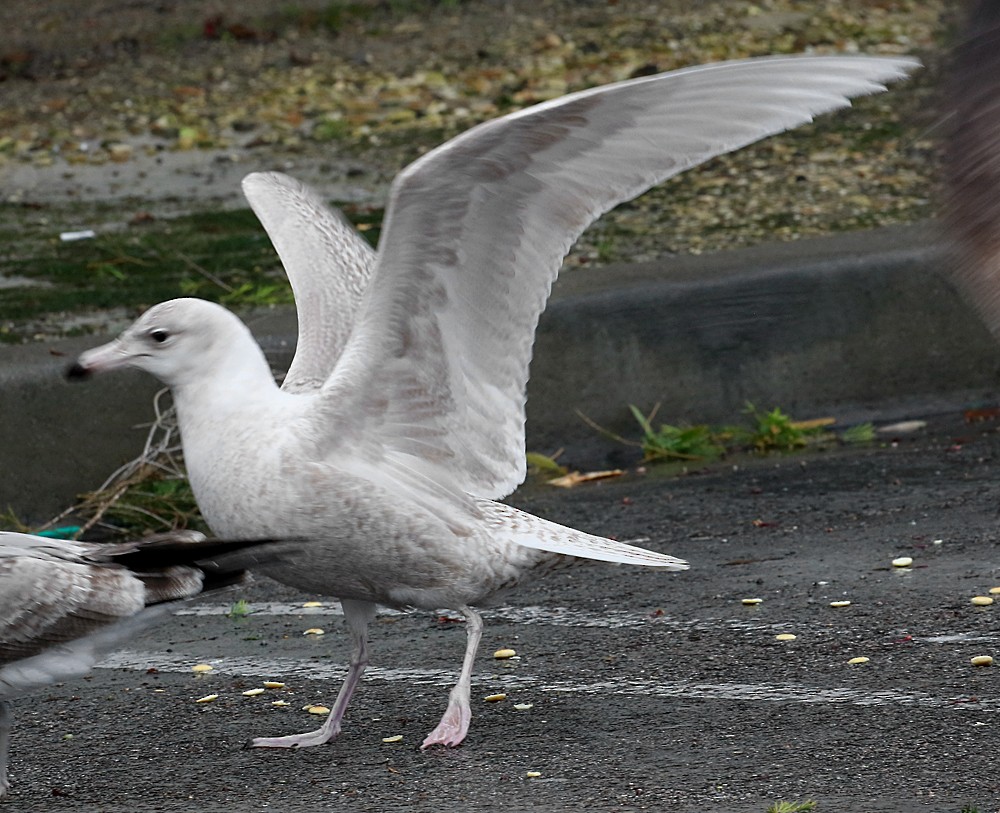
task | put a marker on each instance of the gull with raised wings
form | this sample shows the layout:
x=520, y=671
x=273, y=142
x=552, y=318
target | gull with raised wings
x=400, y=422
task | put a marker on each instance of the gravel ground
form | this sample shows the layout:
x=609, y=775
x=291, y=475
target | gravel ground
x=172, y=102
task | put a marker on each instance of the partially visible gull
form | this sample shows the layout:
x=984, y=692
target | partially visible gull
x=401, y=420
x=64, y=605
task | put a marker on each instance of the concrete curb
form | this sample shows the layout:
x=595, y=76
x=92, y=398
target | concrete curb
x=852, y=326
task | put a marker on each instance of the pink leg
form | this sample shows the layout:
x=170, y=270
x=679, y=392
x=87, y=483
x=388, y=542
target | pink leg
x=358, y=615
x=455, y=723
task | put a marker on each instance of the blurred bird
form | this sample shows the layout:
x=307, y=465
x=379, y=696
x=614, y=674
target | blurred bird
x=971, y=210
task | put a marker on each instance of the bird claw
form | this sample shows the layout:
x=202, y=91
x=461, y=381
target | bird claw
x=451, y=730
x=307, y=740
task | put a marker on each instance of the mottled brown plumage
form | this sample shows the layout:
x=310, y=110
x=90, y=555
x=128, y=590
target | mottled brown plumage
x=64, y=605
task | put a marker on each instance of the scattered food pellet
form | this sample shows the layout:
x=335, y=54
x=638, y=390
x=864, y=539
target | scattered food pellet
x=208, y=698
x=982, y=601
x=67, y=736
x=503, y=654
x=752, y=601
x=994, y=591
x=860, y=659
x=312, y=604
x=843, y=603
x=533, y=774
x=253, y=692
x=495, y=698
x=273, y=684
x=982, y=660
x=316, y=709
x=314, y=631
x=281, y=703
x=202, y=667
x=902, y=561
x=523, y=706
x=785, y=636
x=394, y=738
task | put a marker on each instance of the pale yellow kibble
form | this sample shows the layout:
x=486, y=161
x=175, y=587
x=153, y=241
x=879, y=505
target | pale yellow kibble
x=253, y=692
x=273, y=684
x=752, y=601
x=523, y=706
x=314, y=631
x=312, y=604
x=208, y=698
x=981, y=660
x=860, y=659
x=994, y=591
x=202, y=667
x=785, y=636
x=982, y=601
x=902, y=561
x=281, y=703
x=503, y=654
x=844, y=603
x=394, y=738
x=495, y=698
x=316, y=709
x=533, y=774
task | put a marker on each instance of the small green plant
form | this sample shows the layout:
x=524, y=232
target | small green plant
x=861, y=433
x=669, y=442
x=775, y=430
x=544, y=466
x=10, y=521
x=239, y=609
x=792, y=807
x=769, y=431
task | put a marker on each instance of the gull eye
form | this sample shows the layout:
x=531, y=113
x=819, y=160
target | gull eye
x=159, y=335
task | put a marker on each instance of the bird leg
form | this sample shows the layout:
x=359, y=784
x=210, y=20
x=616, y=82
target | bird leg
x=358, y=615
x=5, y=717
x=455, y=723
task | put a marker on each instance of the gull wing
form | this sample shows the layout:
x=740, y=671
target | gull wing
x=328, y=265
x=51, y=594
x=429, y=391
x=55, y=593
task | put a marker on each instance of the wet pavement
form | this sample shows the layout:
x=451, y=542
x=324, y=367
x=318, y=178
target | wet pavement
x=647, y=691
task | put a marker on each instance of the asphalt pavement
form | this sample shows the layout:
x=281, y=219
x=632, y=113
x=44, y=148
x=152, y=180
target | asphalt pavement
x=632, y=690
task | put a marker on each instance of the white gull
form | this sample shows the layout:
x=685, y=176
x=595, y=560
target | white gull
x=64, y=605
x=401, y=419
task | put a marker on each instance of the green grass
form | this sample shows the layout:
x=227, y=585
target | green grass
x=224, y=256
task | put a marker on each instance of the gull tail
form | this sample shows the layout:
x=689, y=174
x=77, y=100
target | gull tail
x=541, y=534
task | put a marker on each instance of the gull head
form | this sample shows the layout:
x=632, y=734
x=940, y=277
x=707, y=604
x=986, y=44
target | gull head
x=180, y=341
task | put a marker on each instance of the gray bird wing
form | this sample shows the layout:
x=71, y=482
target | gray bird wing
x=328, y=265
x=429, y=391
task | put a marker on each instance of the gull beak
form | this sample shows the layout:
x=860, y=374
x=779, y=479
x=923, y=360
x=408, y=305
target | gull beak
x=108, y=356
